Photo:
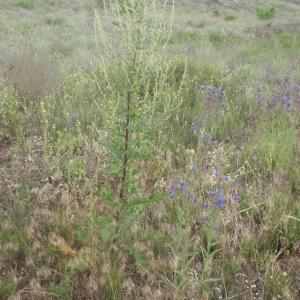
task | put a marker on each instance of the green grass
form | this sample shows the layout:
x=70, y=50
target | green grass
x=29, y=4
x=203, y=204
x=265, y=12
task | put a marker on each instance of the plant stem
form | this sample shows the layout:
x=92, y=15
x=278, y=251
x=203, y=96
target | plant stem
x=126, y=146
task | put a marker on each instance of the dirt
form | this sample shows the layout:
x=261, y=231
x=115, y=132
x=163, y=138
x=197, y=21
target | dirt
x=4, y=155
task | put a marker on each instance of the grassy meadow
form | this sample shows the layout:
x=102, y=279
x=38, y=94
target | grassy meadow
x=149, y=149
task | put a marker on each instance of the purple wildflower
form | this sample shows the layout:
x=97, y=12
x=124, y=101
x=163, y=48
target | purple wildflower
x=215, y=173
x=181, y=185
x=194, y=128
x=194, y=169
x=259, y=99
x=226, y=178
x=219, y=199
x=287, y=101
x=211, y=193
x=212, y=94
x=172, y=191
x=172, y=196
x=208, y=136
x=172, y=187
x=73, y=120
x=236, y=197
x=194, y=199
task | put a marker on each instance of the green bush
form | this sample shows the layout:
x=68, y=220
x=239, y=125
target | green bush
x=29, y=4
x=7, y=288
x=265, y=12
x=55, y=20
x=230, y=18
x=123, y=5
x=216, y=37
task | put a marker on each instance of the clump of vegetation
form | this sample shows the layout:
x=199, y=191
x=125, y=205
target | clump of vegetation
x=230, y=18
x=216, y=37
x=55, y=20
x=29, y=4
x=265, y=12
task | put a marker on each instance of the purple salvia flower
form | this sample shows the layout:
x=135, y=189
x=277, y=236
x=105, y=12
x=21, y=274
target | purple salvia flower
x=226, y=178
x=219, y=199
x=194, y=199
x=215, y=173
x=172, y=187
x=194, y=128
x=194, y=169
x=73, y=120
x=211, y=193
x=236, y=197
x=181, y=185
x=259, y=99
x=287, y=101
x=172, y=196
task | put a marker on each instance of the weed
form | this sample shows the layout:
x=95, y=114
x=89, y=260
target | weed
x=265, y=12
x=29, y=4
x=230, y=18
x=216, y=37
x=7, y=288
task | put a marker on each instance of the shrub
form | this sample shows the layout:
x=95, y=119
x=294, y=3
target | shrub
x=7, y=287
x=216, y=37
x=136, y=84
x=9, y=111
x=122, y=5
x=230, y=18
x=29, y=4
x=55, y=20
x=265, y=12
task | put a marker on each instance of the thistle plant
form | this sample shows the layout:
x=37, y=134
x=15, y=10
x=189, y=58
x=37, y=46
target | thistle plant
x=132, y=78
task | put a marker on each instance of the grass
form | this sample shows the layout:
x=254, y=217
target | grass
x=149, y=153
x=29, y=4
x=265, y=12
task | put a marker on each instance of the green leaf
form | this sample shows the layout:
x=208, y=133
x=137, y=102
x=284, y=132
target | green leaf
x=108, y=228
x=107, y=195
x=140, y=258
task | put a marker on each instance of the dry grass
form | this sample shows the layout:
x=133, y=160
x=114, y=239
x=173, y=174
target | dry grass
x=31, y=74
